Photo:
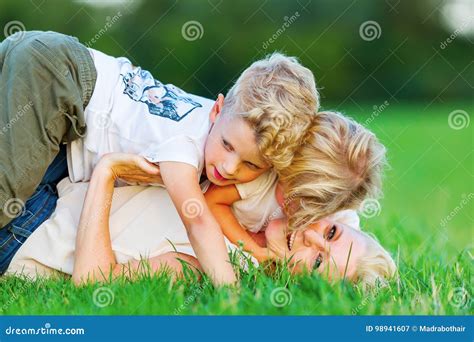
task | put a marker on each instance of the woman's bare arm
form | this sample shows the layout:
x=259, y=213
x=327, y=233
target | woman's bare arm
x=173, y=262
x=94, y=259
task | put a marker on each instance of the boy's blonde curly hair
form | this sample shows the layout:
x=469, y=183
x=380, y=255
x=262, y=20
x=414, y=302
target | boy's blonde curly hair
x=278, y=98
x=338, y=166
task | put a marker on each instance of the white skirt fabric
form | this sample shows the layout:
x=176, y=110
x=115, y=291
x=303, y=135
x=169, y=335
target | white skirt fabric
x=143, y=223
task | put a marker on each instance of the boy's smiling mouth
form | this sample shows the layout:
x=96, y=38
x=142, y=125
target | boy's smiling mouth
x=218, y=176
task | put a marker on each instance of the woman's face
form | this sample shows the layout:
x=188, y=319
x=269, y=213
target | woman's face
x=322, y=247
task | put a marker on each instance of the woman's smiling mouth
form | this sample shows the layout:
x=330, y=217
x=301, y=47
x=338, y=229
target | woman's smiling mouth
x=291, y=240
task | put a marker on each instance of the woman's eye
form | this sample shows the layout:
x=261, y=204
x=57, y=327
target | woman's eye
x=331, y=233
x=318, y=262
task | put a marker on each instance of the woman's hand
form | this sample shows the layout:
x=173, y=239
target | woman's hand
x=130, y=168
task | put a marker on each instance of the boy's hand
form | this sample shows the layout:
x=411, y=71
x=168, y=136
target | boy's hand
x=264, y=254
x=259, y=238
x=204, y=232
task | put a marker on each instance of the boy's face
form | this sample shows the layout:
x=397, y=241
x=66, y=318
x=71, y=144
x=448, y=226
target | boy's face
x=231, y=154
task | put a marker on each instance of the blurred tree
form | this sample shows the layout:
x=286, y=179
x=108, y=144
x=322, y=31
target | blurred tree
x=405, y=61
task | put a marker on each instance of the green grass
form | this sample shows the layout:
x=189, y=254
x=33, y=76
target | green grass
x=431, y=171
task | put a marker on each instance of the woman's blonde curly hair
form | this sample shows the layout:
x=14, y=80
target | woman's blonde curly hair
x=376, y=267
x=278, y=98
x=339, y=165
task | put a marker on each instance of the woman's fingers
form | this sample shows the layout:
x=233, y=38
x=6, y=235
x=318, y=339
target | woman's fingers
x=133, y=168
x=148, y=167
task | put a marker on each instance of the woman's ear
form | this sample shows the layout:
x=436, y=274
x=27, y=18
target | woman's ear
x=216, y=108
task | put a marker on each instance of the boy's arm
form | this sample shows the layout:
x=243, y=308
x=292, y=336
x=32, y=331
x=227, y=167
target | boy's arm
x=219, y=200
x=205, y=235
x=94, y=258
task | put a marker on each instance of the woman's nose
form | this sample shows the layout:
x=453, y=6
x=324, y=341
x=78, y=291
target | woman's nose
x=313, y=239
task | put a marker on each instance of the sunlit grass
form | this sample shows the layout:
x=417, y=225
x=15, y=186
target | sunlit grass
x=430, y=176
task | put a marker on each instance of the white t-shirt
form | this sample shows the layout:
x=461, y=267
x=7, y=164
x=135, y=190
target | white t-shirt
x=131, y=112
x=258, y=205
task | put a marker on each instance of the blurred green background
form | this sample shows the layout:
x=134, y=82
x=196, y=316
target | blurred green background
x=403, y=68
x=404, y=61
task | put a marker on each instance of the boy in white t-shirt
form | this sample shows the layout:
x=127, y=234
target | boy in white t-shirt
x=131, y=112
x=339, y=165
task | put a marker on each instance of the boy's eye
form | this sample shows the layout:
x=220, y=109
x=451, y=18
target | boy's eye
x=318, y=262
x=252, y=166
x=226, y=145
x=331, y=233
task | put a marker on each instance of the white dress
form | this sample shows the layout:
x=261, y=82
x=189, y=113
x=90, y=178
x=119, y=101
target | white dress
x=143, y=223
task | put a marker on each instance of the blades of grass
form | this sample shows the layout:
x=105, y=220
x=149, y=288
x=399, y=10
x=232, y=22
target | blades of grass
x=347, y=262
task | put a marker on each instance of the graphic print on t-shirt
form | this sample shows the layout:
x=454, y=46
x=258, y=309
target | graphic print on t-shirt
x=163, y=100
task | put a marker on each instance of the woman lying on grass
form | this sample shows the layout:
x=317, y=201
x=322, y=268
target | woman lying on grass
x=138, y=230
x=339, y=165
